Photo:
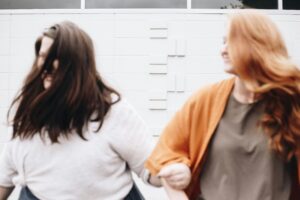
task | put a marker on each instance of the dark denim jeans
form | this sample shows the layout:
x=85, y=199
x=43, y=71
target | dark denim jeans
x=134, y=194
x=26, y=194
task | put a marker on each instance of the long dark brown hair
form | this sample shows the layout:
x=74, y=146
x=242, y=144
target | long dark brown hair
x=76, y=96
x=261, y=60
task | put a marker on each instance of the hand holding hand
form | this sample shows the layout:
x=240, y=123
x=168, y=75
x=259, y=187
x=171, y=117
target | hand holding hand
x=177, y=175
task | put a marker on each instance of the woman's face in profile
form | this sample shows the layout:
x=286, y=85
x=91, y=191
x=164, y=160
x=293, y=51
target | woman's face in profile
x=44, y=49
x=224, y=53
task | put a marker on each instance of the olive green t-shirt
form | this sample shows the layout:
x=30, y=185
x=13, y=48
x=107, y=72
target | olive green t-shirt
x=239, y=164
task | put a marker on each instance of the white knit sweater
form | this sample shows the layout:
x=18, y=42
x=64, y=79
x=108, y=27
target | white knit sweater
x=83, y=170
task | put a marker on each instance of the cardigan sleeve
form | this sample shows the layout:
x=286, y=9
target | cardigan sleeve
x=173, y=144
x=186, y=134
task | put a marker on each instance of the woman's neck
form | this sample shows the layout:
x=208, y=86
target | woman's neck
x=241, y=93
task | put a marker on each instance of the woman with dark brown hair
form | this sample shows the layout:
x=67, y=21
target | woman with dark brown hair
x=73, y=136
x=238, y=139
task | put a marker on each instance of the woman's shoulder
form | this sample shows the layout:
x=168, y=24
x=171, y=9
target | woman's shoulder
x=122, y=113
x=123, y=122
x=122, y=106
x=211, y=91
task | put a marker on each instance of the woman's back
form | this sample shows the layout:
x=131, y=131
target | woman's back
x=77, y=169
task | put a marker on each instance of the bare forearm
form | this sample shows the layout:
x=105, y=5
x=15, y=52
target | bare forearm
x=5, y=192
x=172, y=193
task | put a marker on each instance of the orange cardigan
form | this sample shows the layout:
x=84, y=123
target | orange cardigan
x=186, y=137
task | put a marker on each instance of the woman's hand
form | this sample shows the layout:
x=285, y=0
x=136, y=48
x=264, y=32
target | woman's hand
x=177, y=175
x=172, y=193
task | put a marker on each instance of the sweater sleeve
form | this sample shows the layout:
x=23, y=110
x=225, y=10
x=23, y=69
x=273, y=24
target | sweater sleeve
x=132, y=140
x=7, y=169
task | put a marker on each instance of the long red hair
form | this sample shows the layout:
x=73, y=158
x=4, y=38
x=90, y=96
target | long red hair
x=260, y=58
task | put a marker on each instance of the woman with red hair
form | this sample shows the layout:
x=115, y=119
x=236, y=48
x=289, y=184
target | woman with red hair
x=238, y=139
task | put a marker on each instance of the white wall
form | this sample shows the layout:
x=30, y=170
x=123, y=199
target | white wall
x=155, y=59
